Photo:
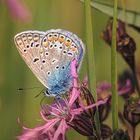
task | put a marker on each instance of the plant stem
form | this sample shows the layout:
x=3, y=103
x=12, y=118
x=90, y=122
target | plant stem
x=91, y=58
x=135, y=78
x=114, y=72
x=134, y=132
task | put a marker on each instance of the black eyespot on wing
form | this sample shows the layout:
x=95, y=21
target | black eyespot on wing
x=32, y=44
x=24, y=50
x=27, y=46
x=51, y=46
x=60, y=47
x=48, y=72
x=43, y=61
x=64, y=52
x=47, y=53
x=37, y=45
x=57, y=67
x=35, y=60
x=69, y=53
x=53, y=60
x=63, y=67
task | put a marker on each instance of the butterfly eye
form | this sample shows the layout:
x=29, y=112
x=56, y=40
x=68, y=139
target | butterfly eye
x=68, y=42
x=36, y=37
x=61, y=38
x=50, y=37
x=47, y=93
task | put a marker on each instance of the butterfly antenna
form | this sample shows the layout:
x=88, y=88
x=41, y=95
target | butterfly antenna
x=19, y=89
x=27, y=88
x=39, y=93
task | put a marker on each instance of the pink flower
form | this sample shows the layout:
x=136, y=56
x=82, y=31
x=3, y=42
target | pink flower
x=59, y=115
x=18, y=10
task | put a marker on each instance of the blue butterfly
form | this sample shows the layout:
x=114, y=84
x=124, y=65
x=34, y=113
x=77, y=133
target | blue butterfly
x=49, y=55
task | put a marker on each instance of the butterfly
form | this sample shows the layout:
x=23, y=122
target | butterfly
x=49, y=55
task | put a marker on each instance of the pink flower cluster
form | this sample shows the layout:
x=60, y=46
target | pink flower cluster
x=60, y=114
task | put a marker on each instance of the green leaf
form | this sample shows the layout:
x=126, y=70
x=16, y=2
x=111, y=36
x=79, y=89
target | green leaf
x=130, y=17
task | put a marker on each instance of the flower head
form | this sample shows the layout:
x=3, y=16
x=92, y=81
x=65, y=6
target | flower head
x=120, y=135
x=132, y=110
x=126, y=84
x=125, y=43
x=63, y=113
x=107, y=33
x=18, y=10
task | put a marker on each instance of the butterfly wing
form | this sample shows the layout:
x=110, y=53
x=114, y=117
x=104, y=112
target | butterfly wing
x=49, y=55
x=28, y=44
x=63, y=47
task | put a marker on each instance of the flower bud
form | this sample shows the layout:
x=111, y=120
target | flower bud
x=87, y=99
x=125, y=44
x=120, y=135
x=132, y=111
x=83, y=125
x=126, y=84
x=127, y=47
x=106, y=131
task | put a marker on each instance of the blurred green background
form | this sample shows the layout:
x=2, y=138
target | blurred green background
x=45, y=14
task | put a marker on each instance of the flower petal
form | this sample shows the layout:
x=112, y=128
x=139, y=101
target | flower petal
x=61, y=130
x=18, y=10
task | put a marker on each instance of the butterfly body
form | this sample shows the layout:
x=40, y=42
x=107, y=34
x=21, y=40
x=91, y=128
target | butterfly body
x=49, y=55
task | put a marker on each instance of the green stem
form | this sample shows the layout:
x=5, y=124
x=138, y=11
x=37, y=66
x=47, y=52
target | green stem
x=114, y=72
x=135, y=78
x=134, y=132
x=91, y=58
